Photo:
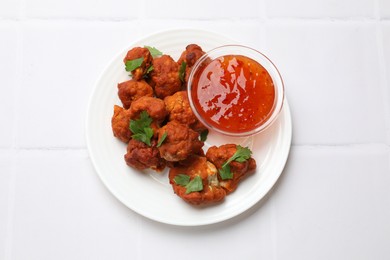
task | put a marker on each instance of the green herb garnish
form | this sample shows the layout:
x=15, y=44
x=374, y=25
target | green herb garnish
x=182, y=179
x=149, y=69
x=225, y=172
x=203, y=135
x=182, y=71
x=133, y=64
x=195, y=184
x=153, y=51
x=162, y=139
x=241, y=155
x=141, y=128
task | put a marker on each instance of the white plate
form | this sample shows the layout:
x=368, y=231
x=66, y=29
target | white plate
x=149, y=193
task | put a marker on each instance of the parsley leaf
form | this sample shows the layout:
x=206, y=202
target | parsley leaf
x=182, y=71
x=149, y=69
x=195, y=185
x=133, y=64
x=225, y=172
x=162, y=139
x=241, y=155
x=153, y=51
x=182, y=179
x=203, y=135
x=141, y=128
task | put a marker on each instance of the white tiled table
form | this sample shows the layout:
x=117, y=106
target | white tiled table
x=333, y=198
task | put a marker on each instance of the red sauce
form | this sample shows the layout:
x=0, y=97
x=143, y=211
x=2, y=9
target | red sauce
x=233, y=93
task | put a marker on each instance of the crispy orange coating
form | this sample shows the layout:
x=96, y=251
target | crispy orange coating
x=179, y=109
x=165, y=76
x=136, y=53
x=180, y=142
x=199, y=166
x=120, y=124
x=154, y=106
x=132, y=90
x=219, y=155
x=192, y=53
x=141, y=156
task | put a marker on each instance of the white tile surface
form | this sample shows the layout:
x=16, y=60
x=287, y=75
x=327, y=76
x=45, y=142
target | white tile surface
x=9, y=68
x=62, y=62
x=204, y=10
x=321, y=9
x=70, y=213
x=6, y=193
x=332, y=201
x=384, y=9
x=87, y=9
x=385, y=52
x=10, y=9
x=338, y=204
x=332, y=79
x=245, y=32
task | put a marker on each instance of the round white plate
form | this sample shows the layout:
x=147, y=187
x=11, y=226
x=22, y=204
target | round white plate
x=149, y=193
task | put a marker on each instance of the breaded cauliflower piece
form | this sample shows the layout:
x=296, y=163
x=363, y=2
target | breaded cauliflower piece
x=120, y=122
x=219, y=155
x=180, y=142
x=179, y=110
x=132, y=90
x=141, y=156
x=164, y=77
x=199, y=166
x=136, y=53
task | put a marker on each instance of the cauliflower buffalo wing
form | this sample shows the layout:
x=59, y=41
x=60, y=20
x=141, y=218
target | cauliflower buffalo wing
x=120, y=124
x=165, y=76
x=219, y=155
x=154, y=106
x=141, y=156
x=132, y=90
x=137, y=53
x=180, y=142
x=192, y=53
x=208, y=189
x=179, y=110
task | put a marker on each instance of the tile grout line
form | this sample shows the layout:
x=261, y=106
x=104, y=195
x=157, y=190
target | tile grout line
x=9, y=242
x=11, y=210
x=14, y=146
x=384, y=80
x=22, y=18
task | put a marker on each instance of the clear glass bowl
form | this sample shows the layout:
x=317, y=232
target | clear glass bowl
x=254, y=55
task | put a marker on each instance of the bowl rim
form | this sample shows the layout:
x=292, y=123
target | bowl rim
x=273, y=71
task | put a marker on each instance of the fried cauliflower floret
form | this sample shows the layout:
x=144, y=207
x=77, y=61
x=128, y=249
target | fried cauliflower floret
x=199, y=166
x=179, y=110
x=165, y=76
x=132, y=90
x=180, y=142
x=154, y=106
x=120, y=124
x=136, y=53
x=219, y=155
x=141, y=156
x=192, y=53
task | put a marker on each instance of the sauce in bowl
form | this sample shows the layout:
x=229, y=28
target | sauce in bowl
x=233, y=93
x=235, y=90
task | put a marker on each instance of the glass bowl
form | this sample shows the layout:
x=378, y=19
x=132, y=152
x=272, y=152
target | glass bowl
x=202, y=72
